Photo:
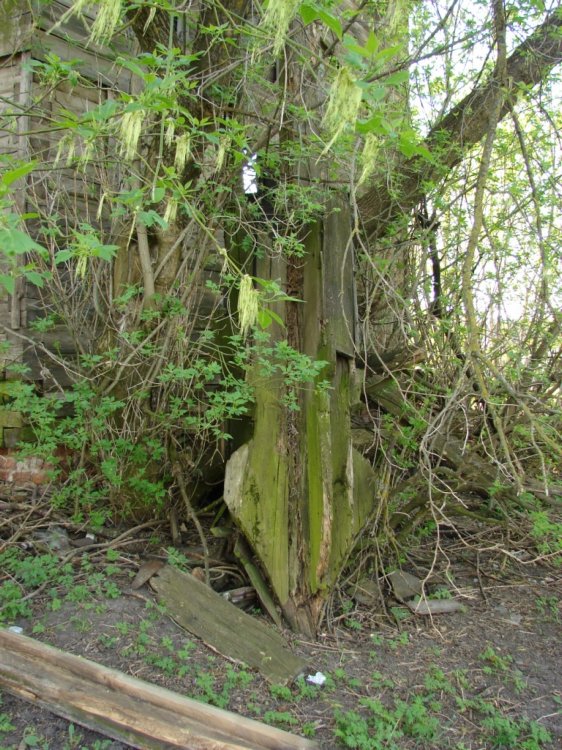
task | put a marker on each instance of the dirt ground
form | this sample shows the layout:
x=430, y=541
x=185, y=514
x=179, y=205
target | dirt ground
x=484, y=677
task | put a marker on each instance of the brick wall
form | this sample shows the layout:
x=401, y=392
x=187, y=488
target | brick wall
x=23, y=471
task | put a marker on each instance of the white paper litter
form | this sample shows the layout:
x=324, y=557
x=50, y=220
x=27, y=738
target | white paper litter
x=316, y=679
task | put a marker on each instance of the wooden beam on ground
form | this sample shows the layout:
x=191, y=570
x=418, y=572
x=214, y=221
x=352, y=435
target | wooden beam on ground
x=224, y=627
x=124, y=708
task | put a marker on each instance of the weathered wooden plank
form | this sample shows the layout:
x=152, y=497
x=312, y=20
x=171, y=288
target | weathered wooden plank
x=10, y=73
x=15, y=26
x=243, y=554
x=125, y=708
x=387, y=393
x=48, y=17
x=224, y=627
x=91, y=64
x=338, y=281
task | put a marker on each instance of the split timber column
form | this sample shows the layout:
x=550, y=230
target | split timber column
x=298, y=490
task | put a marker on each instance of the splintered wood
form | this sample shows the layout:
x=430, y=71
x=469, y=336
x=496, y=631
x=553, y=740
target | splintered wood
x=144, y=716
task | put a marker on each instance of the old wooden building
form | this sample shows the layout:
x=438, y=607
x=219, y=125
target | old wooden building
x=33, y=32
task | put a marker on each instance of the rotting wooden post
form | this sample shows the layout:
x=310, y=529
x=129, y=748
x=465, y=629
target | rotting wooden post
x=298, y=489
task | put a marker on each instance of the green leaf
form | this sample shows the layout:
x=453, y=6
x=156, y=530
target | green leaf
x=158, y=194
x=34, y=277
x=106, y=252
x=331, y=22
x=409, y=145
x=63, y=255
x=264, y=319
x=351, y=45
x=394, y=79
x=133, y=66
x=372, y=125
x=372, y=43
x=8, y=178
x=310, y=13
x=150, y=218
x=276, y=318
x=15, y=242
x=8, y=282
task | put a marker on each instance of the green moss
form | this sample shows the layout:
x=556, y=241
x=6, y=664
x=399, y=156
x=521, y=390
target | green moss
x=263, y=514
x=316, y=472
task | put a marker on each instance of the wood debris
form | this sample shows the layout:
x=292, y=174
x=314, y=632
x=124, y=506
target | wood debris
x=225, y=628
x=124, y=708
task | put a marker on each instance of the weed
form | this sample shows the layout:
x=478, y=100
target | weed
x=208, y=693
x=379, y=681
x=186, y=650
x=504, y=732
x=279, y=717
x=339, y=675
x=177, y=559
x=354, y=731
x=167, y=664
x=5, y=723
x=436, y=681
x=82, y=623
x=380, y=728
x=547, y=534
x=441, y=593
x=122, y=628
x=519, y=681
x=308, y=729
x=402, y=639
x=108, y=641
x=494, y=661
x=281, y=692
x=547, y=607
x=400, y=613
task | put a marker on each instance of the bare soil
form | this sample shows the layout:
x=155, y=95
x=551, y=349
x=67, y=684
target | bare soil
x=474, y=679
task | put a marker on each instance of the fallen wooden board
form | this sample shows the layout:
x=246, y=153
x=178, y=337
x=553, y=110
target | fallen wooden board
x=225, y=628
x=124, y=708
x=242, y=553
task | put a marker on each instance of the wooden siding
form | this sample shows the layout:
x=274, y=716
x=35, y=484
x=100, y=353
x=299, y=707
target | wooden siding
x=66, y=195
x=10, y=70
x=15, y=26
x=30, y=25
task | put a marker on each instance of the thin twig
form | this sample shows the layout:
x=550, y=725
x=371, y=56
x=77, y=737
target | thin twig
x=178, y=476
